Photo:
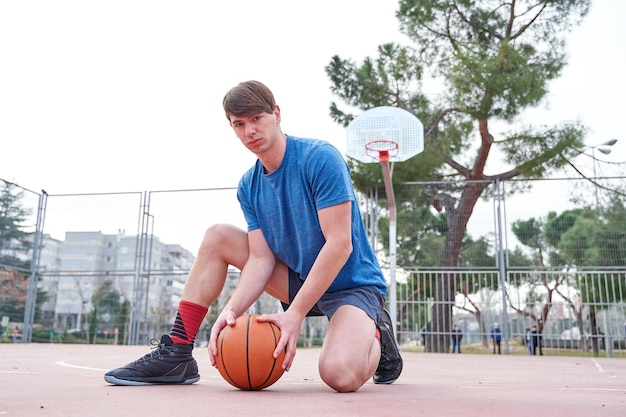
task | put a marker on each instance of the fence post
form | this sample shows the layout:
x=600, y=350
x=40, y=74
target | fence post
x=31, y=294
x=499, y=199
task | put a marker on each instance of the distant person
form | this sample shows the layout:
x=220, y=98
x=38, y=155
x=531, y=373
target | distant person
x=600, y=335
x=305, y=244
x=529, y=341
x=425, y=331
x=539, y=345
x=456, y=337
x=496, y=338
x=535, y=336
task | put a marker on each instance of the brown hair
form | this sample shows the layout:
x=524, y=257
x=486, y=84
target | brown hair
x=247, y=99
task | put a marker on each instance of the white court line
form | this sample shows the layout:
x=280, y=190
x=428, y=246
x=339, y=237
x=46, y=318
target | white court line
x=598, y=366
x=20, y=372
x=67, y=365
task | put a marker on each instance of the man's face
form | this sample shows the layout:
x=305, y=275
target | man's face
x=257, y=132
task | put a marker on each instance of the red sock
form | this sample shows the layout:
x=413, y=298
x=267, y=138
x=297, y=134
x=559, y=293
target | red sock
x=188, y=321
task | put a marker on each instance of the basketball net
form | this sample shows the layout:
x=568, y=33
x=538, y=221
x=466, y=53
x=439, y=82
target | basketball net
x=382, y=150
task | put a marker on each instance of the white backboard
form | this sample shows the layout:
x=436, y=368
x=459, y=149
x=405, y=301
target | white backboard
x=385, y=123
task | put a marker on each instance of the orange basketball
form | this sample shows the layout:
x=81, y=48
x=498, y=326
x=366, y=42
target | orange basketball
x=244, y=354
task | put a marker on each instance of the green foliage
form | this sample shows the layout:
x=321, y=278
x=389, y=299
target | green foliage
x=14, y=254
x=388, y=80
x=597, y=238
x=14, y=242
x=42, y=336
x=535, y=152
x=604, y=292
x=393, y=79
x=518, y=258
x=428, y=251
x=477, y=253
x=556, y=225
x=423, y=231
x=109, y=311
x=93, y=324
x=422, y=236
x=583, y=238
x=495, y=59
x=576, y=238
x=578, y=243
x=529, y=232
x=107, y=304
x=13, y=287
x=122, y=318
x=612, y=233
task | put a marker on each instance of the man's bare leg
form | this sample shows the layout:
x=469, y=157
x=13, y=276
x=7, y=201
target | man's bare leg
x=351, y=351
x=172, y=361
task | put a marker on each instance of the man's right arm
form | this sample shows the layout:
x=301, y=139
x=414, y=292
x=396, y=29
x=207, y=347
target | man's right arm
x=254, y=277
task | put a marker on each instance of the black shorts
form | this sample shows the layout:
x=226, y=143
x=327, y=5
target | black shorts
x=368, y=299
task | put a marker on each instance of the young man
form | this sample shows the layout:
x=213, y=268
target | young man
x=305, y=245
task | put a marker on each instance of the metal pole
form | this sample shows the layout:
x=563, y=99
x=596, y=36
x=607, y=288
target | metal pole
x=607, y=331
x=31, y=295
x=372, y=217
x=499, y=195
x=608, y=343
x=148, y=269
x=135, y=316
x=595, y=178
x=392, y=244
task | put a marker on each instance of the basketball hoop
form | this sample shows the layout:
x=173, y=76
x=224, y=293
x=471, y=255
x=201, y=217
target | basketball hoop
x=382, y=150
x=386, y=134
x=384, y=128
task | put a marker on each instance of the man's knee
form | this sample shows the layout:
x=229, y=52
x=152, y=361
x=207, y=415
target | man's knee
x=222, y=236
x=342, y=376
x=217, y=233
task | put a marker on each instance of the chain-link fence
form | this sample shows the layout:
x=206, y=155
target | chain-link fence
x=542, y=261
x=547, y=254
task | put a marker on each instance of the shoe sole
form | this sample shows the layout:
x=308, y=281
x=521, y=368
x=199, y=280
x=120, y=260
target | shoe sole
x=116, y=381
x=391, y=333
x=390, y=381
x=385, y=382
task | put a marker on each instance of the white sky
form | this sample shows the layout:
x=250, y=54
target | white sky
x=126, y=95
x=115, y=96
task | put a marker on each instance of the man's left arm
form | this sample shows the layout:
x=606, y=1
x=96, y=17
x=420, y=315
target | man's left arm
x=336, y=224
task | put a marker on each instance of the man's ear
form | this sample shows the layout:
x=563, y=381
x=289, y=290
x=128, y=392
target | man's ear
x=277, y=113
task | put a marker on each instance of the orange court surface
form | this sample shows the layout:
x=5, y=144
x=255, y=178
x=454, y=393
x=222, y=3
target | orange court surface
x=67, y=380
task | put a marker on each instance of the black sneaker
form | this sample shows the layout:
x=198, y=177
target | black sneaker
x=390, y=365
x=168, y=363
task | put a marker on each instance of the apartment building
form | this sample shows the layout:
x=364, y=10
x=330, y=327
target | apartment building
x=150, y=274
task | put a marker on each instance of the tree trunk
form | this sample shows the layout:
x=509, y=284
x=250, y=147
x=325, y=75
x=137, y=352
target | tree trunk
x=457, y=217
x=442, y=312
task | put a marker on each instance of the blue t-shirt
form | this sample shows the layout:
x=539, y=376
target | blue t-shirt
x=313, y=175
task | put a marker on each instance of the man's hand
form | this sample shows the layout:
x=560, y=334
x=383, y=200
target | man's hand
x=226, y=318
x=289, y=324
